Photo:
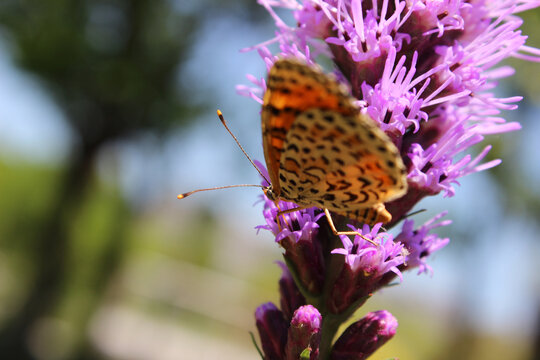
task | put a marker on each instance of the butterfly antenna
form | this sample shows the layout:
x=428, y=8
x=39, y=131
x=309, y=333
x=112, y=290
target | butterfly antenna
x=185, y=195
x=414, y=213
x=220, y=115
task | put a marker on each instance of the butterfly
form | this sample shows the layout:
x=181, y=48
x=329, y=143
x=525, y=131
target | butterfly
x=322, y=151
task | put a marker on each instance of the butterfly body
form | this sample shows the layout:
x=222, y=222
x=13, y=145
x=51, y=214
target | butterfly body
x=321, y=151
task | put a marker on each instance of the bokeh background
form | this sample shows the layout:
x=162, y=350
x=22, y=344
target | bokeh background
x=107, y=111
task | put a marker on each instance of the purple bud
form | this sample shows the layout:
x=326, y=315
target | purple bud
x=304, y=333
x=306, y=256
x=290, y=297
x=272, y=328
x=365, y=336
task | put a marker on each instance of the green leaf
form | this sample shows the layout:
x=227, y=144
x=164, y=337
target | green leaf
x=256, y=345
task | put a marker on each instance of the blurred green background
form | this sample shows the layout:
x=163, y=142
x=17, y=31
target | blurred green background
x=107, y=111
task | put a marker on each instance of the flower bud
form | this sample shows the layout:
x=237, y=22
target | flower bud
x=272, y=328
x=290, y=297
x=365, y=336
x=304, y=333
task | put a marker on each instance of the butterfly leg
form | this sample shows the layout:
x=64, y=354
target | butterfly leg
x=283, y=212
x=336, y=232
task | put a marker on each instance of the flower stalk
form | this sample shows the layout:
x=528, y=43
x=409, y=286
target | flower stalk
x=424, y=71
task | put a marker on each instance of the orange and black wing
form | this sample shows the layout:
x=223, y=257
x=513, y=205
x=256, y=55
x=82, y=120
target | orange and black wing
x=292, y=88
x=352, y=166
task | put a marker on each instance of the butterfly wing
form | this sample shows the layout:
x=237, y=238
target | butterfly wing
x=292, y=88
x=343, y=163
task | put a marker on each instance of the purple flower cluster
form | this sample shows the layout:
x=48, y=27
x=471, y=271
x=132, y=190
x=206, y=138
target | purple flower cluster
x=424, y=71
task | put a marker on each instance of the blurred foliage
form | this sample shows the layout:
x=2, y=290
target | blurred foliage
x=520, y=195
x=110, y=64
x=530, y=89
x=113, y=67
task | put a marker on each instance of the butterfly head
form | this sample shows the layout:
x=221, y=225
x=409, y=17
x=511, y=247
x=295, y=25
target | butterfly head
x=270, y=194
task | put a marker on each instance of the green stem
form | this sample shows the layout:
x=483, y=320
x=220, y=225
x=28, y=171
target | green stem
x=331, y=322
x=329, y=327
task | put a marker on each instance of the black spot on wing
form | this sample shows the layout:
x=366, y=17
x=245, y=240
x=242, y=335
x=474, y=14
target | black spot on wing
x=364, y=198
x=375, y=194
x=309, y=170
x=365, y=213
x=272, y=110
x=284, y=90
x=352, y=196
x=287, y=159
x=339, y=129
x=343, y=185
x=272, y=79
x=380, y=182
x=361, y=169
x=329, y=118
x=293, y=147
x=325, y=160
x=365, y=182
x=329, y=197
x=292, y=110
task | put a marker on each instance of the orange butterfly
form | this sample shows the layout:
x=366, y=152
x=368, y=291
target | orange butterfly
x=321, y=151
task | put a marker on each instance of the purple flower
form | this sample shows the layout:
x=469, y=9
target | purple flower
x=365, y=269
x=420, y=243
x=293, y=226
x=424, y=70
x=362, y=338
x=369, y=259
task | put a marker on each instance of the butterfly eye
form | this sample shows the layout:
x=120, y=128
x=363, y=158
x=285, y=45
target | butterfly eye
x=269, y=194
